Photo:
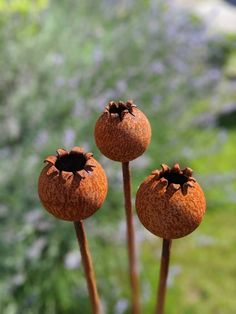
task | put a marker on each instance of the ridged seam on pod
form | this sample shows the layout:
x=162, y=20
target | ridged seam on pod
x=170, y=203
x=122, y=133
x=72, y=185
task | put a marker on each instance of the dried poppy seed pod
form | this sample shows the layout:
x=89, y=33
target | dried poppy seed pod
x=123, y=132
x=73, y=185
x=170, y=203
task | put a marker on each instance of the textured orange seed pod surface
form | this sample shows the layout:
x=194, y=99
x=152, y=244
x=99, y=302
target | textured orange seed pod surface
x=72, y=186
x=170, y=203
x=122, y=132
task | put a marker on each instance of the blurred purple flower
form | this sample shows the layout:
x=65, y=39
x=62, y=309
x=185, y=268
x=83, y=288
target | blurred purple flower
x=205, y=240
x=41, y=138
x=157, y=67
x=69, y=137
x=173, y=272
x=72, y=260
x=35, y=250
x=121, y=306
x=57, y=59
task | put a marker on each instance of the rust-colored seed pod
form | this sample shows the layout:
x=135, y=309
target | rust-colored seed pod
x=122, y=132
x=170, y=203
x=73, y=185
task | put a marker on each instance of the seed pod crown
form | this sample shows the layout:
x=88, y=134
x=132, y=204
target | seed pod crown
x=170, y=203
x=72, y=185
x=122, y=133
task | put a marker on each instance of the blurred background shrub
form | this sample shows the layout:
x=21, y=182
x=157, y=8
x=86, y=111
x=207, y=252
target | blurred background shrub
x=60, y=63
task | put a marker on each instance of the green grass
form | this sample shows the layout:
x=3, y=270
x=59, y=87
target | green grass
x=206, y=264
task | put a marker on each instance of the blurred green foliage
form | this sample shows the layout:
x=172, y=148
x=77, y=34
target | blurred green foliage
x=60, y=63
x=22, y=6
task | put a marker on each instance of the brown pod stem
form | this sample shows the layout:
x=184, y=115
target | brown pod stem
x=88, y=267
x=165, y=257
x=133, y=271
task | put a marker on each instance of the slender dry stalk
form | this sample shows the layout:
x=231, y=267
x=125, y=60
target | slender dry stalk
x=165, y=257
x=88, y=267
x=133, y=271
